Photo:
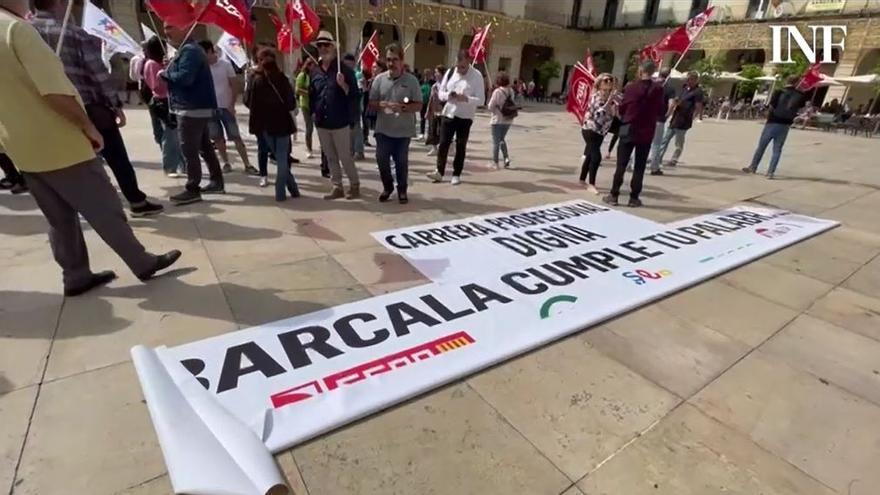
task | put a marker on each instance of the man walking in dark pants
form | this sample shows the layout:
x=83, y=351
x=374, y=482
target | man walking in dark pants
x=81, y=56
x=396, y=96
x=685, y=107
x=784, y=107
x=642, y=102
x=55, y=149
x=463, y=91
x=193, y=100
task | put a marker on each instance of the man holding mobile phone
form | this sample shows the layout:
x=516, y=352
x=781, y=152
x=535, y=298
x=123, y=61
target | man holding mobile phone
x=463, y=90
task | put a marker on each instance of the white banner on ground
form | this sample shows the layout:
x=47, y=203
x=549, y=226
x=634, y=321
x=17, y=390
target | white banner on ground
x=285, y=382
x=457, y=248
x=232, y=49
x=114, y=40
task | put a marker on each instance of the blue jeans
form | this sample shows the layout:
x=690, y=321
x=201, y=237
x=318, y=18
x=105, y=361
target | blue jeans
x=172, y=157
x=679, y=135
x=158, y=127
x=280, y=146
x=499, y=131
x=262, y=155
x=772, y=132
x=357, y=138
x=388, y=148
x=224, y=121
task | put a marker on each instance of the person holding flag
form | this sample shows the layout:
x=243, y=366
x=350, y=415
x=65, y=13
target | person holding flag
x=785, y=104
x=684, y=108
x=81, y=54
x=463, y=90
x=602, y=110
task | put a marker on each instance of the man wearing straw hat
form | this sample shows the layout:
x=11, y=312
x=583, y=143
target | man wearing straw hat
x=332, y=95
x=55, y=146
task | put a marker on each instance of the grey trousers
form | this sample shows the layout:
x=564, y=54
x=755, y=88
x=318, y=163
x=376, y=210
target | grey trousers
x=84, y=189
x=679, y=135
x=336, y=144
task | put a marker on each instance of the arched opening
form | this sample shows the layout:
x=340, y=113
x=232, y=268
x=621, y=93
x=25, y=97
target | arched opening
x=604, y=60
x=465, y=42
x=532, y=58
x=430, y=49
x=632, y=67
x=385, y=34
x=734, y=60
x=866, y=95
x=690, y=58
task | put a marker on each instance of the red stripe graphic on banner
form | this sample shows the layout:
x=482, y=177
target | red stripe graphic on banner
x=371, y=368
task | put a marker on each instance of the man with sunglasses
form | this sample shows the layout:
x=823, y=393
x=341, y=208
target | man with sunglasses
x=396, y=97
x=332, y=95
x=463, y=90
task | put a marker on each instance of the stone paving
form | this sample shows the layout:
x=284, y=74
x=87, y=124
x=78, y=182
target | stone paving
x=765, y=380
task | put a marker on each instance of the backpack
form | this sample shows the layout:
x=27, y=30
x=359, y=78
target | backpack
x=787, y=106
x=509, y=109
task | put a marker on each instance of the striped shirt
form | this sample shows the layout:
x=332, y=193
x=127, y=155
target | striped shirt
x=81, y=56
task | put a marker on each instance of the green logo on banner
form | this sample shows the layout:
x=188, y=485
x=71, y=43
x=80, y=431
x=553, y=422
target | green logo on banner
x=545, y=308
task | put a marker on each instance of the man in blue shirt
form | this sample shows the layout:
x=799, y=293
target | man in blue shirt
x=332, y=95
x=191, y=89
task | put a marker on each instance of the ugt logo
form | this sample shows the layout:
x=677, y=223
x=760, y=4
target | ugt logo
x=808, y=49
x=641, y=277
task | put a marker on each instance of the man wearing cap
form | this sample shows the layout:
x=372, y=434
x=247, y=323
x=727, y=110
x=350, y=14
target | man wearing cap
x=332, y=94
x=463, y=90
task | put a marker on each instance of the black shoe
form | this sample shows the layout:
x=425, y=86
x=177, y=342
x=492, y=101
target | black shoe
x=294, y=193
x=214, y=188
x=227, y=168
x=402, y=199
x=611, y=200
x=186, y=197
x=325, y=174
x=163, y=261
x=748, y=170
x=97, y=280
x=147, y=209
x=656, y=172
x=250, y=170
x=634, y=202
x=19, y=188
x=6, y=184
x=367, y=144
x=291, y=159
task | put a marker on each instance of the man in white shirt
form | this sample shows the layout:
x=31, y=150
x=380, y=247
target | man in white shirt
x=226, y=89
x=463, y=90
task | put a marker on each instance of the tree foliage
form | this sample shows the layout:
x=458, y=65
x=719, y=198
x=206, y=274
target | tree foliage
x=797, y=67
x=547, y=71
x=709, y=68
x=747, y=88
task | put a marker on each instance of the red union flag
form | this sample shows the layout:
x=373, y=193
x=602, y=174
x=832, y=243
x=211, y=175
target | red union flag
x=309, y=22
x=179, y=14
x=589, y=64
x=480, y=45
x=580, y=85
x=231, y=16
x=681, y=39
x=811, y=78
x=283, y=35
x=650, y=52
x=370, y=54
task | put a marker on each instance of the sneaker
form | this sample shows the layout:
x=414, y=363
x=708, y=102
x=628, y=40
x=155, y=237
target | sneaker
x=507, y=163
x=335, y=193
x=748, y=170
x=354, y=192
x=611, y=200
x=291, y=159
x=771, y=176
x=6, y=184
x=163, y=261
x=456, y=180
x=402, y=199
x=96, y=280
x=420, y=136
x=147, y=209
x=19, y=188
x=432, y=152
x=494, y=166
x=592, y=189
x=360, y=156
x=671, y=164
x=214, y=188
x=186, y=197
x=367, y=144
x=227, y=167
x=264, y=181
x=634, y=202
x=251, y=170
x=657, y=172
x=435, y=177
x=309, y=155
x=174, y=175
x=384, y=196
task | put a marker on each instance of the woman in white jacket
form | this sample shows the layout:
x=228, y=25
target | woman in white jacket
x=503, y=108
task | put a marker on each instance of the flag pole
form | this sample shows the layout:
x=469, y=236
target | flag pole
x=196, y=22
x=156, y=30
x=336, y=18
x=64, y=27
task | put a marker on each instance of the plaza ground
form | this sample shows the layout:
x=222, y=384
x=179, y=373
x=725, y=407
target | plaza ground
x=765, y=380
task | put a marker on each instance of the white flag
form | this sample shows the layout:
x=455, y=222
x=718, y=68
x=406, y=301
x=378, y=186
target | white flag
x=97, y=23
x=232, y=49
x=148, y=33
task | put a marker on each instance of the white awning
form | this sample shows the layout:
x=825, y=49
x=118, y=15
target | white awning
x=863, y=79
x=730, y=77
